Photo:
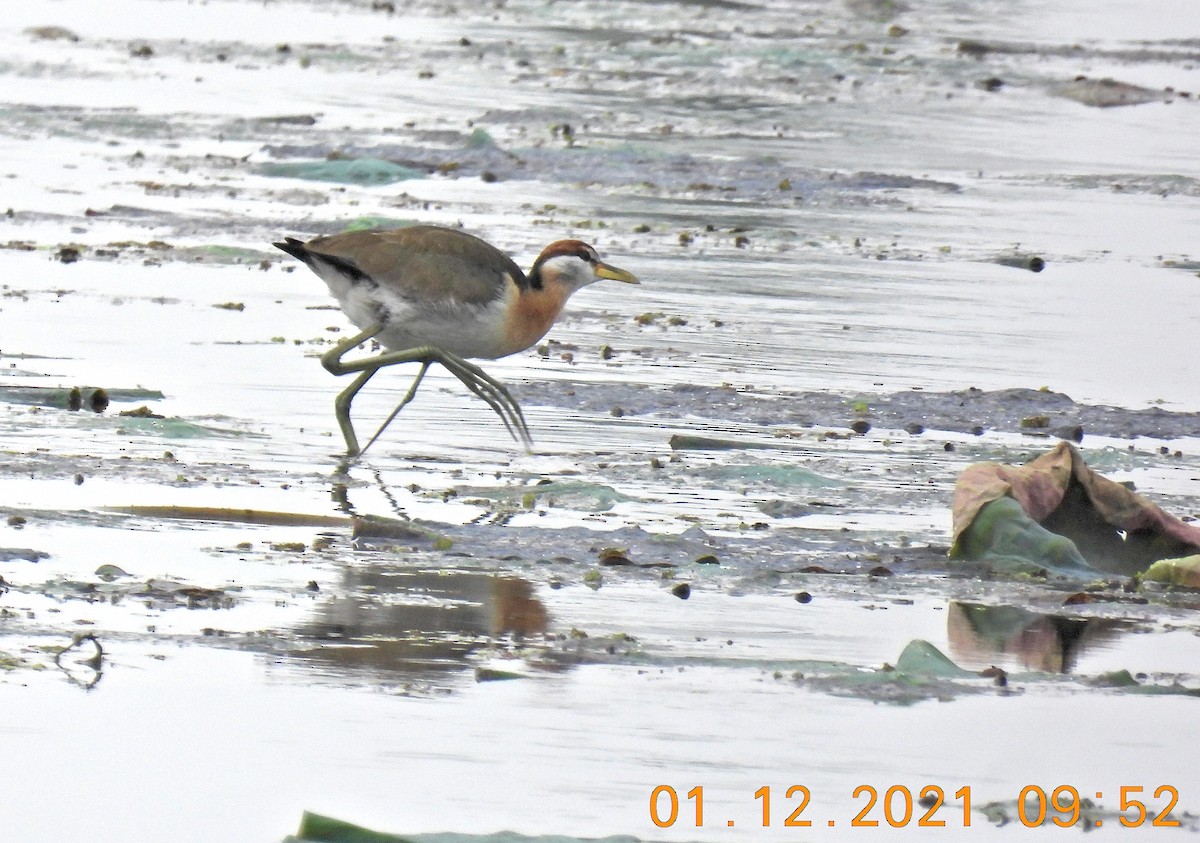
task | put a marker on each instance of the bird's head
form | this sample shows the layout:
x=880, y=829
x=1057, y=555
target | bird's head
x=573, y=264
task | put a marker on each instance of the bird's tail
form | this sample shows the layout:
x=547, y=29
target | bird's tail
x=294, y=248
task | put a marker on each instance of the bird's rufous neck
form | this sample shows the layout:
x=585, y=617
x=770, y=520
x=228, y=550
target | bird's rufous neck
x=532, y=313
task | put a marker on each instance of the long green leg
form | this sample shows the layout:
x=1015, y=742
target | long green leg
x=341, y=409
x=492, y=391
x=332, y=361
x=412, y=391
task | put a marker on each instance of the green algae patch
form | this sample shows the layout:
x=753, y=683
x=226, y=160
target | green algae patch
x=491, y=674
x=8, y=661
x=370, y=223
x=576, y=495
x=888, y=686
x=1182, y=571
x=920, y=658
x=1114, y=679
x=359, y=171
x=172, y=428
x=315, y=828
x=480, y=139
x=221, y=254
x=780, y=476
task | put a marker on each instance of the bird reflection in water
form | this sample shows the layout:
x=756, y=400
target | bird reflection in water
x=418, y=626
x=1051, y=643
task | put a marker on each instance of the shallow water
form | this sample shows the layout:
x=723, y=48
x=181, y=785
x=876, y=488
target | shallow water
x=256, y=666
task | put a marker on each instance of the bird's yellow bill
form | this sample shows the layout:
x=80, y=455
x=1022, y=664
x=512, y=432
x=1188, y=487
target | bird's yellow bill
x=603, y=270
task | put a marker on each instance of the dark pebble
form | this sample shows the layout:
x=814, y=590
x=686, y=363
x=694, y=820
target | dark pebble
x=683, y=591
x=879, y=571
x=860, y=426
x=915, y=428
x=803, y=597
x=100, y=400
x=974, y=49
x=948, y=447
x=1070, y=432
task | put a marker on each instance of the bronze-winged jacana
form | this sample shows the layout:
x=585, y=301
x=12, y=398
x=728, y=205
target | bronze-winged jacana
x=430, y=295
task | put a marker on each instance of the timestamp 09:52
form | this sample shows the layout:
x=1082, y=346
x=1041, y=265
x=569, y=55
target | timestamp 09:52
x=897, y=806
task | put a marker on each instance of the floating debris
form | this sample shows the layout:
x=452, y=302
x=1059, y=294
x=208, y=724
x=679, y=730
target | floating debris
x=142, y=412
x=28, y=554
x=1108, y=93
x=233, y=516
x=1031, y=262
x=111, y=573
x=74, y=398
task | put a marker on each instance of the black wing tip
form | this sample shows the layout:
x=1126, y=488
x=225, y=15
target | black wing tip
x=313, y=259
x=293, y=247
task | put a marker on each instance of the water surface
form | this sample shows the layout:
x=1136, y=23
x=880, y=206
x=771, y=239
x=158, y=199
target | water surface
x=824, y=202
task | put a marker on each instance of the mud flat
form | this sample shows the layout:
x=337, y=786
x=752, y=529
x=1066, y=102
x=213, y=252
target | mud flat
x=723, y=565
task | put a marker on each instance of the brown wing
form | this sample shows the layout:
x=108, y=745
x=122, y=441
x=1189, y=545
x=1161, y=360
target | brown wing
x=428, y=262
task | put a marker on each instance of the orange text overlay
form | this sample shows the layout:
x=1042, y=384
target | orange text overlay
x=930, y=806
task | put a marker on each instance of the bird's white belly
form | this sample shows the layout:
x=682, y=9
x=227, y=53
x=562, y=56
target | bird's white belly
x=462, y=329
